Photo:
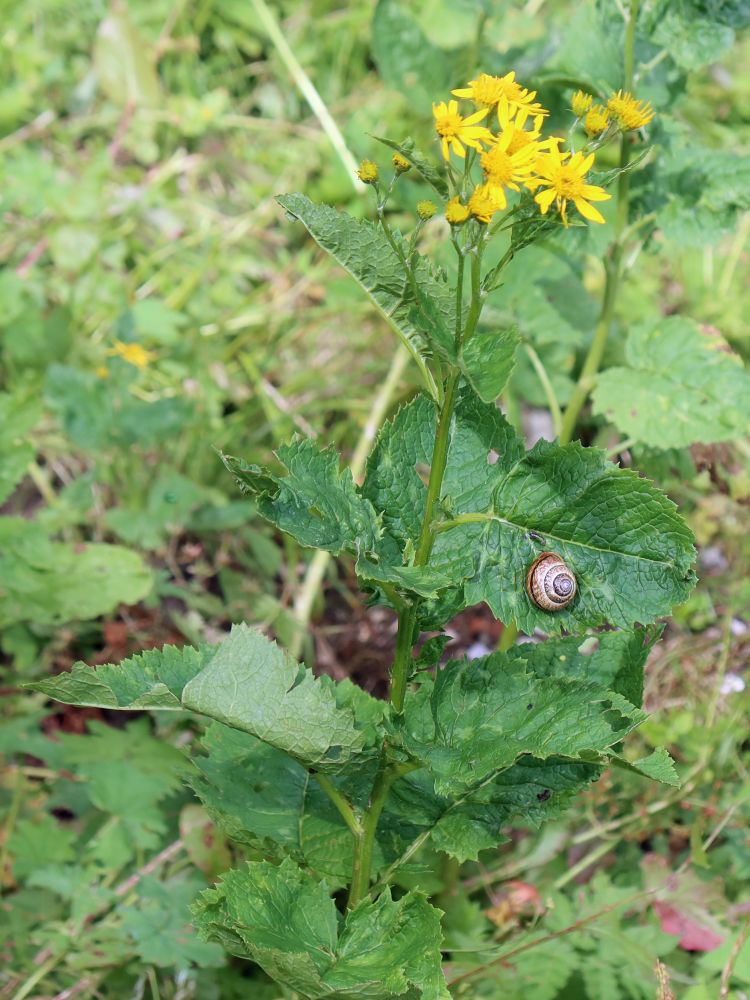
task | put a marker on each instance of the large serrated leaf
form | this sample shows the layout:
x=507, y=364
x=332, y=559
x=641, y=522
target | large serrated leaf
x=362, y=249
x=247, y=682
x=315, y=502
x=252, y=685
x=479, y=717
x=153, y=679
x=530, y=792
x=287, y=922
x=631, y=552
x=680, y=387
x=613, y=661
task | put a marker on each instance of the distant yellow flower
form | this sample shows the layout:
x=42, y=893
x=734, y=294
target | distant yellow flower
x=629, y=112
x=368, y=172
x=564, y=181
x=426, y=209
x=102, y=371
x=456, y=131
x=456, y=212
x=486, y=199
x=596, y=120
x=401, y=163
x=134, y=354
x=580, y=103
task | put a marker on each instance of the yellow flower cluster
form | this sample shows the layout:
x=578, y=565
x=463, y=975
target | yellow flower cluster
x=622, y=110
x=504, y=133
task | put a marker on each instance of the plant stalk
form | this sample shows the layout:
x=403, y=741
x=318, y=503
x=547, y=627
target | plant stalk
x=613, y=263
x=408, y=618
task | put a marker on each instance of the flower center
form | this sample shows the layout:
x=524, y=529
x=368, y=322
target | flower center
x=498, y=166
x=568, y=183
x=448, y=125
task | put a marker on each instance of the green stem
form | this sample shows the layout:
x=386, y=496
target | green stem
x=549, y=390
x=366, y=839
x=341, y=802
x=613, y=264
x=407, y=622
x=509, y=636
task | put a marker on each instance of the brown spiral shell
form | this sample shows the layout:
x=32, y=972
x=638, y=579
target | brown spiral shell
x=549, y=582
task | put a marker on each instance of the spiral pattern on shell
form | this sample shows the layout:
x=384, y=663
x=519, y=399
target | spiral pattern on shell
x=549, y=582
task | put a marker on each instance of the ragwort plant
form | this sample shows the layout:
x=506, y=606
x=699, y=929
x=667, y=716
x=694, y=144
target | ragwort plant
x=345, y=802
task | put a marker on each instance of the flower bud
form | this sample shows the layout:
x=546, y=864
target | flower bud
x=368, y=172
x=426, y=209
x=456, y=213
x=401, y=163
x=581, y=103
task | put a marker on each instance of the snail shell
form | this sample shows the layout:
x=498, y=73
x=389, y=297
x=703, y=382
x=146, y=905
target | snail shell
x=549, y=582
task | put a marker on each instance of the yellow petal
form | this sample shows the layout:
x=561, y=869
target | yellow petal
x=588, y=211
x=476, y=117
x=544, y=199
x=463, y=92
x=594, y=193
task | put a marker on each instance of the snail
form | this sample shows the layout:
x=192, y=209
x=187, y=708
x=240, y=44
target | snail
x=549, y=582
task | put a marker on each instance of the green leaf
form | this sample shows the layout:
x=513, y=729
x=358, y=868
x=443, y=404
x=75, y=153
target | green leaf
x=691, y=38
x=13, y=464
x=153, y=679
x=288, y=924
x=364, y=252
x=265, y=800
x=479, y=716
x=681, y=386
x=50, y=583
x=420, y=163
x=252, y=685
x=658, y=766
x=159, y=924
x=362, y=249
x=613, y=661
x=247, y=682
x=488, y=360
x=631, y=552
x=530, y=792
x=315, y=502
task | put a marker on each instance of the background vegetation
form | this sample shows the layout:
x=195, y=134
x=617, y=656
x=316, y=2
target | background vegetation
x=154, y=306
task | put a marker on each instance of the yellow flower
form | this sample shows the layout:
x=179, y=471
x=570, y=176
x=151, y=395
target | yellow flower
x=456, y=132
x=630, y=113
x=485, y=201
x=426, y=209
x=102, y=371
x=401, y=163
x=581, y=103
x=456, y=212
x=565, y=180
x=503, y=169
x=134, y=354
x=368, y=172
x=486, y=92
x=596, y=120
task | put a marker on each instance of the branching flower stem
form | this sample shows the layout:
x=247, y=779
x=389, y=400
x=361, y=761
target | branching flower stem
x=613, y=264
x=407, y=622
